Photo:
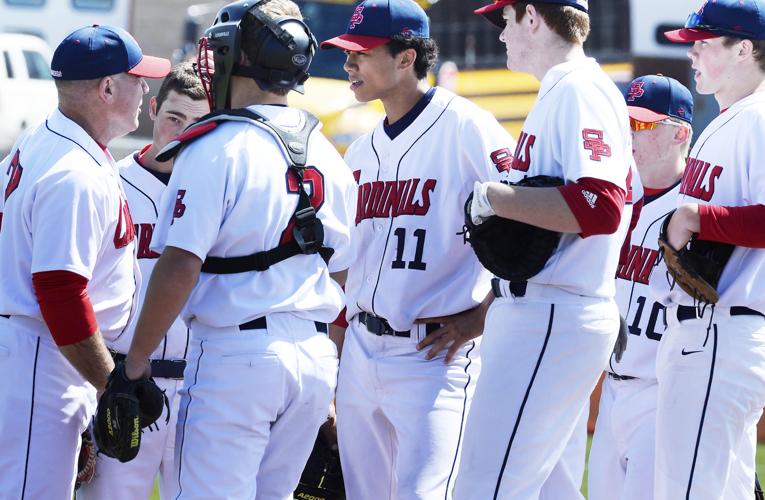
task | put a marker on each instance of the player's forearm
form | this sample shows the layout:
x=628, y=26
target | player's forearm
x=541, y=207
x=91, y=358
x=172, y=280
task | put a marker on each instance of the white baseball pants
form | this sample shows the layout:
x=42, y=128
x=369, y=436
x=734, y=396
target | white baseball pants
x=543, y=354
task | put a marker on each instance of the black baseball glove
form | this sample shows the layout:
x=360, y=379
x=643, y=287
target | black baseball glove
x=322, y=477
x=512, y=250
x=125, y=407
x=697, y=267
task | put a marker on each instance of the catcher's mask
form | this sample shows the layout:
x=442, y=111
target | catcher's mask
x=282, y=52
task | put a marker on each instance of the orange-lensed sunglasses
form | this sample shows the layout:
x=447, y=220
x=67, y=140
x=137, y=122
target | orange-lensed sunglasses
x=637, y=125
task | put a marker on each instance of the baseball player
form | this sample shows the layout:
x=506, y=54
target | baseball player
x=261, y=371
x=547, y=340
x=180, y=102
x=710, y=361
x=68, y=264
x=621, y=463
x=416, y=294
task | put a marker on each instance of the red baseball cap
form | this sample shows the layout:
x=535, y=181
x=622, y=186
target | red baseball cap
x=493, y=12
x=736, y=18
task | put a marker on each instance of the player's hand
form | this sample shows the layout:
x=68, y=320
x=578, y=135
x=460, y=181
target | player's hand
x=137, y=368
x=456, y=330
x=683, y=224
x=480, y=208
x=329, y=428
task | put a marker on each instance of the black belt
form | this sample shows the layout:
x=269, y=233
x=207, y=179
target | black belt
x=262, y=324
x=6, y=316
x=160, y=368
x=380, y=326
x=690, y=312
x=517, y=288
x=619, y=377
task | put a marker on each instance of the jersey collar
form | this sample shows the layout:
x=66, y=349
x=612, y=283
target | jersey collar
x=65, y=127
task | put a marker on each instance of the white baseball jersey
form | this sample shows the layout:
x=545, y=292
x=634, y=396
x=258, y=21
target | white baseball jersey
x=144, y=192
x=637, y=304
x=204, y=212
x=601, y=149
x=412, y=189
x=725, y=168
x=64, y=209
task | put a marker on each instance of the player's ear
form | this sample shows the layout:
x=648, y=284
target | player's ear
x=745, y=49
x=106, y=88
x=153, y=108
x=408, y=57
x=682, y=134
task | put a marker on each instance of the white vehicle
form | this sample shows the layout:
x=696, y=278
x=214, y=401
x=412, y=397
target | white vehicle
x=27, y=91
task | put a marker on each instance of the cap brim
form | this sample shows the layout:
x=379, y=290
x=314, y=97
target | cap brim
x=354, y=43
x=151, y=67
x=493, y=12
x=645, y=115
x=685, y=35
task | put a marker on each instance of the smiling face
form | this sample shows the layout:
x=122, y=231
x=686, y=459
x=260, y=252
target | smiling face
x=713, y=64
x=177, y=112
x=374, y=74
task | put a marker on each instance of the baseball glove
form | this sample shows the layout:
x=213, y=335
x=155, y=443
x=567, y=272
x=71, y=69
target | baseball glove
x=125, y=407
x=512, y=250
x=86, y=462
x=697, y=267
x=322, y=478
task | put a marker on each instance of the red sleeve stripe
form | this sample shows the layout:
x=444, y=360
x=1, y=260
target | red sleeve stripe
x=65, y=305
x=596, y=204
x=734, y=225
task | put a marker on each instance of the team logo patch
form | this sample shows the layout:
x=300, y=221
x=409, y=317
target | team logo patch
x=503, y=159
x=593, y=142
x=635, y=91
x=14, y=175
x=357, y=17
x=299, y=60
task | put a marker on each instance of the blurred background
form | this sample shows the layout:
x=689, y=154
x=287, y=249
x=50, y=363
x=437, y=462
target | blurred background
x=626, y=38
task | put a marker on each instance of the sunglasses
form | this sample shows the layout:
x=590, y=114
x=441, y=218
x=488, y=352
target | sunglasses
x=637, y=125
x=695, y=21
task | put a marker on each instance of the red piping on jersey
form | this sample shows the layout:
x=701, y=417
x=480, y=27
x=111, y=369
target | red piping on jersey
x=734, y=225
x=65, y=305
x=596, y=204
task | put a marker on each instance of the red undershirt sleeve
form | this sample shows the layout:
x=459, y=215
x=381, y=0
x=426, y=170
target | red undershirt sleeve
x=65, y=305
x=340, y=320
x=597, y=205
x=734, y=225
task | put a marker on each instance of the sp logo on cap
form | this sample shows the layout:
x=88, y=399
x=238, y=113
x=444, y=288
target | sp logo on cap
x=357, y=17
x=635, y=91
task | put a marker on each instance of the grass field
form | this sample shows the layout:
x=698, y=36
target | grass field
x=760, y=470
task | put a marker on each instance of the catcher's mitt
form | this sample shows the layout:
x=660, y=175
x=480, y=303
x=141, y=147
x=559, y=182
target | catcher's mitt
x=86, y=462
x=322, y=477
x=697, y=267
x=512, y=250
x=125, y=407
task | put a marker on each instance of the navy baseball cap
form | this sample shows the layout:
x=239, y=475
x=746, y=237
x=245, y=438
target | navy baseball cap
x=97, y=51
x=653, y=98
x=375, y=22
x=493, y=12
x=716, y=18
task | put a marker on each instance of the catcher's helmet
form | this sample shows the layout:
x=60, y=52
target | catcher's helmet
x=283, y=50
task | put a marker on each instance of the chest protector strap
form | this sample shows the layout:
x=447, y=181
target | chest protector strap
x=308, y=231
